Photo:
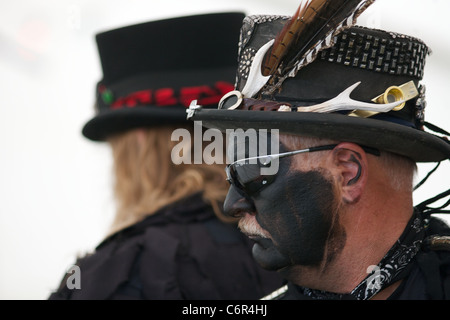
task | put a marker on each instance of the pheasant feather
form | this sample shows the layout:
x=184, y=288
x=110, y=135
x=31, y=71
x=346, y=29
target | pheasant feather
x=311, y=29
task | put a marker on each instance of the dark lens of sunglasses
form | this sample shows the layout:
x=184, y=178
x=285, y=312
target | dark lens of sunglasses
x=248, y=178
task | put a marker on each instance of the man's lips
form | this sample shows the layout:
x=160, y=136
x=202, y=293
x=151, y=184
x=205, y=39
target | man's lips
x=267, y=255
x=262, y=241
x=264, y=250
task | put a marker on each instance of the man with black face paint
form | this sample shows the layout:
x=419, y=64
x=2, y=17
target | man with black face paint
x=300, y=218
x=297, y=220
x=337, y=218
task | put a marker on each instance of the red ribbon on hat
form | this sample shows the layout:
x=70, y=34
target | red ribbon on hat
x=205, y=95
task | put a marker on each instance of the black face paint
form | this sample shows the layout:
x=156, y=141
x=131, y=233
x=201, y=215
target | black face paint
x=264, y=251
x=298, y=210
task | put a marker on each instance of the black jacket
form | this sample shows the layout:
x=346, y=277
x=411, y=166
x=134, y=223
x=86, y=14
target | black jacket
x=181, y=252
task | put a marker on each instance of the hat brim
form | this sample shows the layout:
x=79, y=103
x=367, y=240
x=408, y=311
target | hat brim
x=117, y=121
x=413, y=143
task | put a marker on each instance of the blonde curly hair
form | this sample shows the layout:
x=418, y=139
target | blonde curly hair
x=146, y=179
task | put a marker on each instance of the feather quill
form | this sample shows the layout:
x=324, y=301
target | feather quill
x=311, y=29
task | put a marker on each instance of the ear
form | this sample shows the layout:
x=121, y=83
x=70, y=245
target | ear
x=351, y=166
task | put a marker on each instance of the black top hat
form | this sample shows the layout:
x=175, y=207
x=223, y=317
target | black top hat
x=379, y=70
x=152, y=71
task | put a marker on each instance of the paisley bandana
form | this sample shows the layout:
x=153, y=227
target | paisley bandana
x=393, y=267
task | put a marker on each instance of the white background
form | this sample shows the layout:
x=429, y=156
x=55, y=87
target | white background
x=55, y=186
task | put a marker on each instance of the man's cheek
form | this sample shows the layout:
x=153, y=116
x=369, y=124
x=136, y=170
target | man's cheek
x=297, y=213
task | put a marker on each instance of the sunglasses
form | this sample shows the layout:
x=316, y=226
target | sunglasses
x=245, y=174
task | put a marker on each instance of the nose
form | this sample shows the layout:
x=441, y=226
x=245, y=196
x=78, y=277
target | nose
x=236, y=204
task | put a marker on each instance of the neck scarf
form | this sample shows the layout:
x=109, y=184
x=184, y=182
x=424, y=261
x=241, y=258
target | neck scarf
x=393, y=267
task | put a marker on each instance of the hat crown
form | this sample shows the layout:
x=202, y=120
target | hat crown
x=153, y=70
x=181, y=43
x=395, y=57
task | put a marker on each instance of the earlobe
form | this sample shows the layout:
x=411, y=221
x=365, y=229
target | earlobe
x=352, y=168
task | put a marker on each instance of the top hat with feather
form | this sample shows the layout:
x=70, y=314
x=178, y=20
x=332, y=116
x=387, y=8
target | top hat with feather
x=317, y=74
x=152, y=71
